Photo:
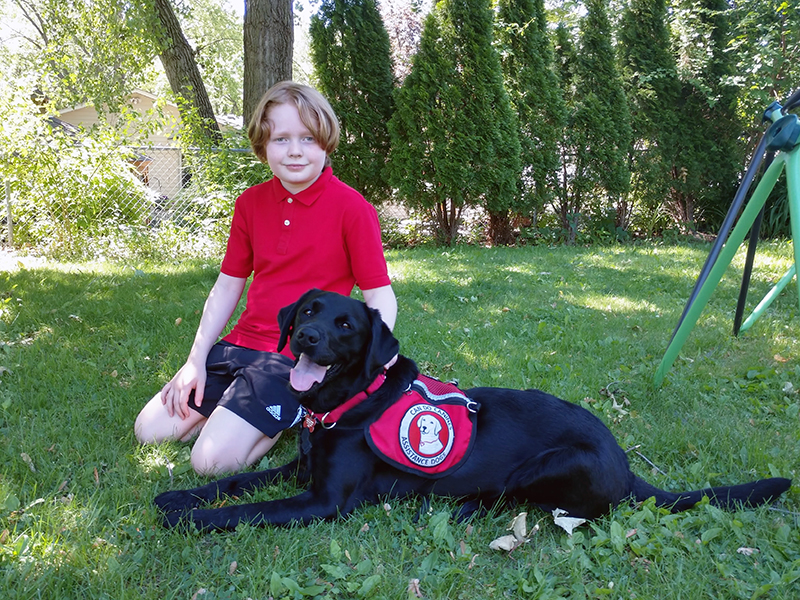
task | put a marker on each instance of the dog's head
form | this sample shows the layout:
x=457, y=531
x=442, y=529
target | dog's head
x=340, y=343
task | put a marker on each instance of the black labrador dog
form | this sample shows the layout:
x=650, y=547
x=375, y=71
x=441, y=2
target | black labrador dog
x=525, y=446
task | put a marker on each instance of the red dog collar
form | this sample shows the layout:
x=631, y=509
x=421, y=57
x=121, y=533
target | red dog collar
x=311, y=419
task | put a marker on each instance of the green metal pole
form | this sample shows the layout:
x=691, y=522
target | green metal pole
x=793, y=185
x=768, y=299
x=793, y=189
x=726, y=255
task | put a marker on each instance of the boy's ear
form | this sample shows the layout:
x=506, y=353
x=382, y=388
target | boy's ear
x=287, y=314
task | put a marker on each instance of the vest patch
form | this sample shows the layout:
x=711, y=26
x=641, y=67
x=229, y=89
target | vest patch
x=275, y=411
x=429, y=431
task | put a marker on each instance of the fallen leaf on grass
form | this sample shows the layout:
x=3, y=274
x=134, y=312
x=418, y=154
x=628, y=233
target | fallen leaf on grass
x=28, y=461
x=413, y=588
x=178, y=321
x=96, y=477
x=505, y=542
x=747, y=551
x=519, y=529
x=566, y=523
x=364, y=528
x=232, y=568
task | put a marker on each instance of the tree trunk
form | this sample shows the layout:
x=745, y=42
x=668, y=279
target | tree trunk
x=500, y=230
x=268, y=40
x=177, y=56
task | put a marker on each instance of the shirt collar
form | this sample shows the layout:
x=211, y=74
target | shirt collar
x=309, y=195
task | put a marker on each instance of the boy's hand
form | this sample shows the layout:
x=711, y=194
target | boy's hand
x=175, y=394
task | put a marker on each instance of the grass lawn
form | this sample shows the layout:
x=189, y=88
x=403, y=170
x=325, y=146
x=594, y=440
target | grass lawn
x=82, y=347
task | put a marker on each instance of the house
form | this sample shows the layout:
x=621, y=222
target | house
x=157, y=158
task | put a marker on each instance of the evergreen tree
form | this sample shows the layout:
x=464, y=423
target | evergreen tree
x=454, y=130
x=650, y=77
x=426, y=165
x=353, y=68
x=709, y=153
x=484, y=126
x=601, y=120
x=566, y=60
x=532, y=85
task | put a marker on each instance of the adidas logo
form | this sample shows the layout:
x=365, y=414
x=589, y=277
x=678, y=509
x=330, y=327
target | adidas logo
x=275, y=411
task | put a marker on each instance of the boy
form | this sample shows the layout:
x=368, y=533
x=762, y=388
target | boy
x=301, y=229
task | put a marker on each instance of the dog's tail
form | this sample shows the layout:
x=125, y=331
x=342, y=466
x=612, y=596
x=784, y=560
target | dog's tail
x=726, y=497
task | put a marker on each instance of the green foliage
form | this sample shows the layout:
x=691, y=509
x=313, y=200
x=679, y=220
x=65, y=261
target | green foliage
x=765, y=35
x=421, y=143
x=465, y=149
x=76, y=193
x=353, y=68
x=66, y=184
x=710, y=155
x=649, y=73
x=598, y=139
x=527, y=60
x=82, y=51
x=216, y=29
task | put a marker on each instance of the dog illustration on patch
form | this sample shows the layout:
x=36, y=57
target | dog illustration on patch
x=429, y=430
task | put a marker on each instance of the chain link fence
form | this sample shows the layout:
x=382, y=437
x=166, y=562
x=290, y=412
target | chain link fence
x=86, y=200
x=83, y=201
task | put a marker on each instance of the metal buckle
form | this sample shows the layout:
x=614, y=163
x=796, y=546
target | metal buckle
x=322, y=422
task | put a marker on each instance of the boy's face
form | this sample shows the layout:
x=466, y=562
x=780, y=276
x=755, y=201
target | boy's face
x=293, y=154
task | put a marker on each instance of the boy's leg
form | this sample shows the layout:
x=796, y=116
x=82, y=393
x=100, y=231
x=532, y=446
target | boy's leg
x=154, y=425
x=228, y=443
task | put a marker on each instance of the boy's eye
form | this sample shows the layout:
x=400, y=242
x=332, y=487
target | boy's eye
x=309, y=139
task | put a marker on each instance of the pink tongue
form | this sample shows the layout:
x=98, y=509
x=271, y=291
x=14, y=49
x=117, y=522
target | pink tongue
x=305, y=373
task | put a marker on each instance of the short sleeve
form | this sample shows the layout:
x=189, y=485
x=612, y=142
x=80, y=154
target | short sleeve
x=365, y=248
x=238, y=260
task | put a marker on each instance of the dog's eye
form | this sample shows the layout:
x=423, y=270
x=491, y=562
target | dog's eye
x=346, y=325
x=307, y=312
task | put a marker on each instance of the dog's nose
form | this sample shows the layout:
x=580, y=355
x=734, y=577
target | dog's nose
x=308, y=335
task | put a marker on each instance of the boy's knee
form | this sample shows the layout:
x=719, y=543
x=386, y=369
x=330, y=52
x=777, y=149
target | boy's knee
x=209, y=463
x=143, y=432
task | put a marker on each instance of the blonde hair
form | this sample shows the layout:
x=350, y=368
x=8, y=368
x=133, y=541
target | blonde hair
x=315, y=113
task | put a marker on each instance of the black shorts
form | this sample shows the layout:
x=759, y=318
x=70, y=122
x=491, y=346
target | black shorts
x=252, y=384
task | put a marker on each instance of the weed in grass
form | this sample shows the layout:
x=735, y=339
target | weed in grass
x=83, y=346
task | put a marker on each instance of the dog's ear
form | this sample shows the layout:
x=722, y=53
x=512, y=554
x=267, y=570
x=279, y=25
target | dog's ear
x=287, y=314
x=382, y=347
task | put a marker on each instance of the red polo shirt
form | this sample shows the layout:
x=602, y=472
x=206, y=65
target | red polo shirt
x=327, y=236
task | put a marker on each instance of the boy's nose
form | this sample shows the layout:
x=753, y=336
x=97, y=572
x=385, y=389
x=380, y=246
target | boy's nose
x=295, y=147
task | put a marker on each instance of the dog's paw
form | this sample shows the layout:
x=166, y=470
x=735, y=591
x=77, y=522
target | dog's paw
x=175, y=501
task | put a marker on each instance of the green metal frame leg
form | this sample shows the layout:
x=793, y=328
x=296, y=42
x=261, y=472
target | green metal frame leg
x=793, y=189
x=726, y=255
x=793, y=185
x=768, y=299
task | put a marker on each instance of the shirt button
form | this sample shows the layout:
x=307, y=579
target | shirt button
x=286, y=222
x=290, y=200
